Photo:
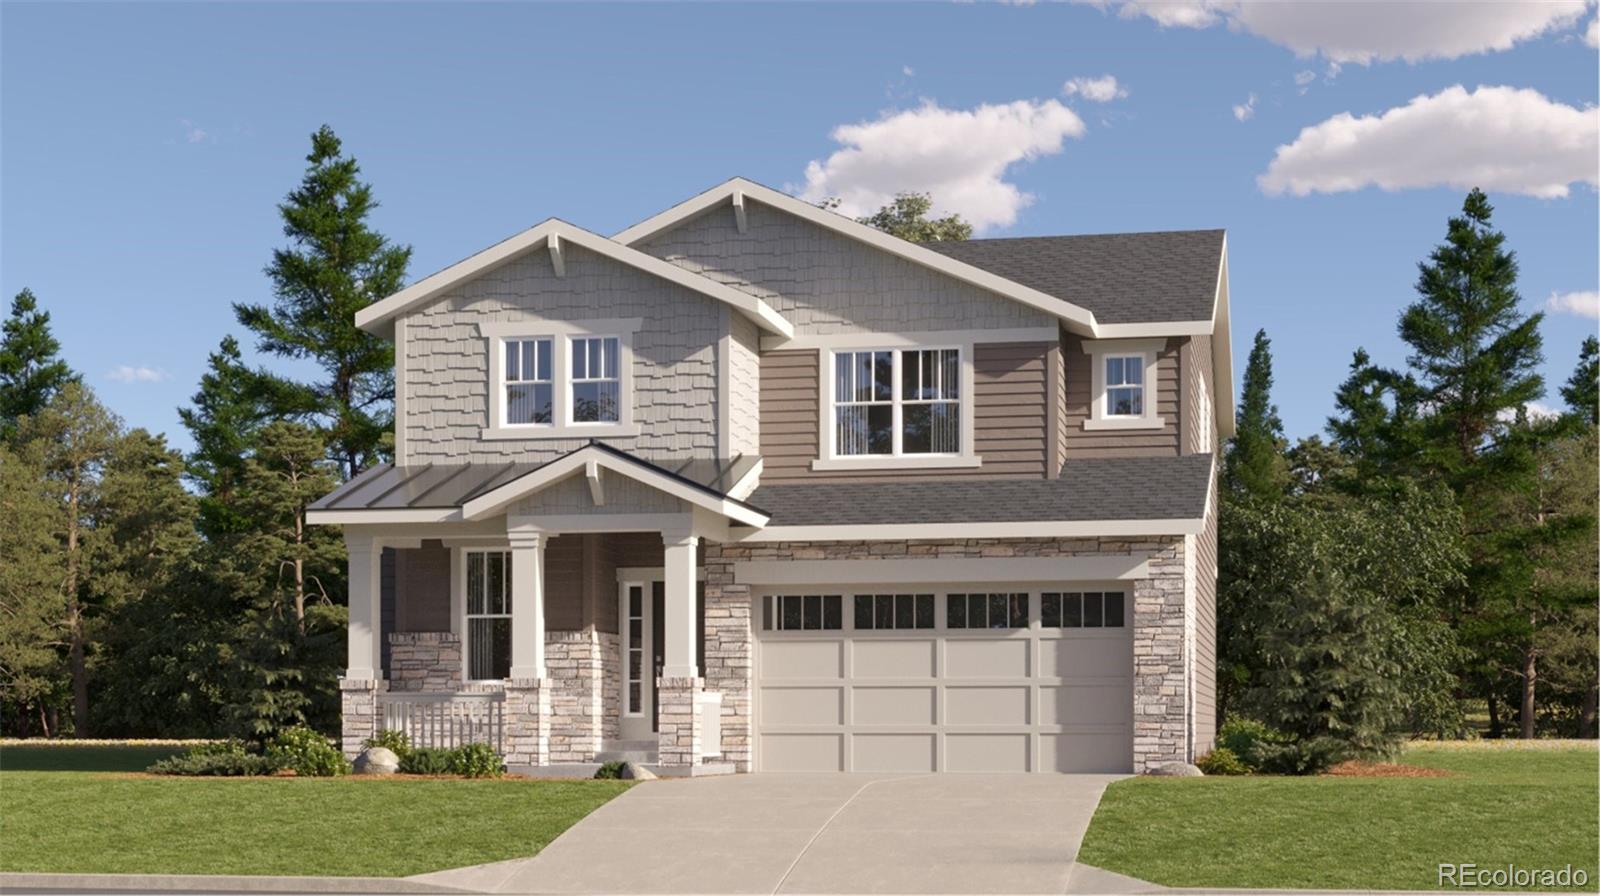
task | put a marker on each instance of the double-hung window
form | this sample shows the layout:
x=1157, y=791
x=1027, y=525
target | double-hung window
x=596, y=383
x=897, y=402
x=488, y=594
x=1124, y=385
x=529, y=398
x=1123, y=374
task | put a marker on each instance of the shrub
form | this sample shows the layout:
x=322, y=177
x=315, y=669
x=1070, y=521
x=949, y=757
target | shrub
x=426, y=761
x=611, y=769
x=307, y=752
x=200, y=762
x=1311, y=756
x=476, y=761
x=1242, y=737
x=396, y=742
x=1222, y=761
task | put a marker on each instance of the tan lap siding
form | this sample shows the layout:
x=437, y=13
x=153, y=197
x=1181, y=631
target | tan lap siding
x=1009, y=411
x=1079, y=442
x=1205, y=634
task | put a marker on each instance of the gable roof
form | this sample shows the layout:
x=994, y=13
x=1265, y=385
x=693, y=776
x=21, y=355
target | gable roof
x=738, y=189
x=1124, y=278
x=379, y=316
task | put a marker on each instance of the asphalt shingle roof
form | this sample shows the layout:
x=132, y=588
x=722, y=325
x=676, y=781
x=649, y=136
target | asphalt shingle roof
x=1120, y=488
x=1124, y=278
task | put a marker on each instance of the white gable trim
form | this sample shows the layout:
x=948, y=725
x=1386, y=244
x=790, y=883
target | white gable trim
x=554, y=234
x=594, y=459
x=1080, y=320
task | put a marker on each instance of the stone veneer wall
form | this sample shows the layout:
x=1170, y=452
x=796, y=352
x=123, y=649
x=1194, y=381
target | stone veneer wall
x=575, y=664
x=1160, y=724
x=358, y=703
x=425, y=661
x=679, y=723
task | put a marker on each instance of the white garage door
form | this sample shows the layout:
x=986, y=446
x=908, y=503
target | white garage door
x=969, y=680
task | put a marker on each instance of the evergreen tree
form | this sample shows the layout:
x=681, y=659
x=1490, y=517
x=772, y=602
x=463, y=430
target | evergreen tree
x=1582, y=389
x=228, y=411
x=31, y=603
x=1255, y=463
x=1473, y=352
x=74, y=435
x=1375, y=424
x=907, y=218
x=334, y=266
x=31, y=370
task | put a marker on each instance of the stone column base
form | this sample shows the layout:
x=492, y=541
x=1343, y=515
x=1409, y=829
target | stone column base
x=358, y=698
x=679, y=724
x=527, y=721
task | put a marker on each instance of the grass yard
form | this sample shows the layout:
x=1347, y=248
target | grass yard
x=1534, y=807
x=86, y=820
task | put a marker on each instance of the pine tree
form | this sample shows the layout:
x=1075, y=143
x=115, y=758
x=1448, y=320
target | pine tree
x=907, y=218
x=334, y=266
x=1375, y=425
x=1474, y=354
x=31, y=370
x=1582, y=389
x=31, y=603
x=232, y=405
x=1255, y=464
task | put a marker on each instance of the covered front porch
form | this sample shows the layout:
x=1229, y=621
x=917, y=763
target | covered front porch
x=560, y=618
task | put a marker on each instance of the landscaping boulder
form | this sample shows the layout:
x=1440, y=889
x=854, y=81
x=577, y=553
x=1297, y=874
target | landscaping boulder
x=377, y=761
x=1176, y=770
x=633, y=771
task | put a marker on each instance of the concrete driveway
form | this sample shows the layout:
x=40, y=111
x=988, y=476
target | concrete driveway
x=774, y=833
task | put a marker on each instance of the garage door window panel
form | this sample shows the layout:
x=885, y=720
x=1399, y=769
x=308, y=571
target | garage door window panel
x=803, y=612
x=1083, y=609
x=986, y=611
x=888, y=612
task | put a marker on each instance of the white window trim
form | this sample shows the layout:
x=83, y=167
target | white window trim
x=1098, y=351
x=626, y=642
x=459, y=595
x=827, y=456
x=561, y=334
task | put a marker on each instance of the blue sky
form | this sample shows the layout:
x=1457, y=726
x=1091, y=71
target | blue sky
x=143, y=148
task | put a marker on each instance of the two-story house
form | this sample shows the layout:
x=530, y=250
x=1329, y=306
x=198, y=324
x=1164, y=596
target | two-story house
x=751, y=486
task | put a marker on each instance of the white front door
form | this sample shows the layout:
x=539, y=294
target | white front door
x=640, y=614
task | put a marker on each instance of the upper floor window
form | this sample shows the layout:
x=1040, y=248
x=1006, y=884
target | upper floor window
x=528, y=385
x=1124, y=385
x=596, y=383
x=1123, y=374
x=897, y=402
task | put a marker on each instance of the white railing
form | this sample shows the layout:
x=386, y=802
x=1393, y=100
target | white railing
x=446, y=720
x=708, y=705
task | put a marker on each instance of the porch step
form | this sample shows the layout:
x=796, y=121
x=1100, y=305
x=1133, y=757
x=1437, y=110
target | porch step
x=559, y=770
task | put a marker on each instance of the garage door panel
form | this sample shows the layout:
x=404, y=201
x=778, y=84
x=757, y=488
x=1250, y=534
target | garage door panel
x=892, y=705
x=802, y=752
x=1085, y=656
x=1108, y=704
x=803, y=706
x=986, y=752
x=802, y=659
x=892, y=752
x=986, y=705
x=1085, y=753
x=985, y=658
x=896, y=658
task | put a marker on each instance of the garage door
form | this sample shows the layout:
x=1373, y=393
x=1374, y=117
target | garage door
x=949, y=680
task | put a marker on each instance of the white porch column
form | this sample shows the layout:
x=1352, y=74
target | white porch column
x=527, y=603
x=365, y=643
x=681, y=626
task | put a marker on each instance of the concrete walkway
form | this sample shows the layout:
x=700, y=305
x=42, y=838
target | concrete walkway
x=815, y=834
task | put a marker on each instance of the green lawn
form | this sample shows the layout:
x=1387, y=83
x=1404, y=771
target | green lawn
x=1534, y=808
x=66, y=756
x=91, y=821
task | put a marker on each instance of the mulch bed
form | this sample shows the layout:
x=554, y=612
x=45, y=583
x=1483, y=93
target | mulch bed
x=1355, y=769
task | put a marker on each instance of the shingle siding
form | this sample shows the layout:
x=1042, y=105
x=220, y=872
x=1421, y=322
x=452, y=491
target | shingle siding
x=823, y=282
x=446, y=362
x=744, y=387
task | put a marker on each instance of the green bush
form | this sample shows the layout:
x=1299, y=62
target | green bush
x=427, y=761
x=1222, y=761
x=1243, y=738
x=203, y=761
x=396, y=742
x=308, y=753
x=1311, y=756
x=611, y=769
x=476, y=761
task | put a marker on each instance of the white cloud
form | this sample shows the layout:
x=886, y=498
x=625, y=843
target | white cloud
x=1246, y=110
x=1345, y=31
x=1583, y=302
x=1537, y=410
x=1103, y=89
x=959, y=156
x=130, y=373
x=1301, y=79
x=194, y=133
x=1592, y=35
x=907, y=70
x=1499, y=138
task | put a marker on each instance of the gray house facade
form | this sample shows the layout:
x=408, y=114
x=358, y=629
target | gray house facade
x=750, y=487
